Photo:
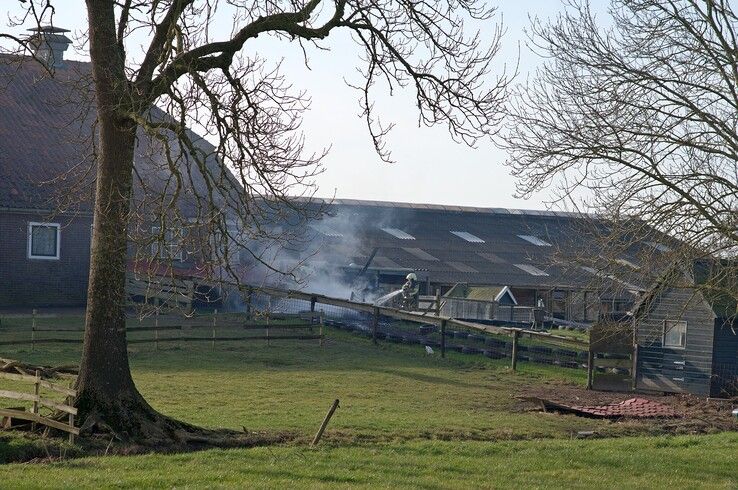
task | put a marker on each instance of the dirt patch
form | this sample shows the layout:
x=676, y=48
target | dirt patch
x=695, y=415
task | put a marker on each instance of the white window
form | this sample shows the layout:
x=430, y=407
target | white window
x=43, y=241
x=535, y=240
x=397, y=233
x=168, y=249
x=468, y=236
x=533, y=271
x=675, y=334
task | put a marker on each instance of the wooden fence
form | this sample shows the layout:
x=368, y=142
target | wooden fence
x=443, y=322
x=40, y=401
x=168, y=329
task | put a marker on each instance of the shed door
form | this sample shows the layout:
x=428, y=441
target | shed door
x=674, y=343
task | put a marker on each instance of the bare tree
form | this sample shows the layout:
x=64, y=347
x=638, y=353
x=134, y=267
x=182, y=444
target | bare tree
x=637, y=122
x=189, y=76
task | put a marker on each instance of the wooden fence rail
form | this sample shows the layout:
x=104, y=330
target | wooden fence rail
x=214, y=323
x=39, y=401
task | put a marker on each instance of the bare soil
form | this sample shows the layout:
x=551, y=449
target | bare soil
x=696, y=415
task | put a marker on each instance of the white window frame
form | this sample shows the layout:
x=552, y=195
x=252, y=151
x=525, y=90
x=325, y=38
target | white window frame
x=29, y=246
x=684, y=338
x=158, y=247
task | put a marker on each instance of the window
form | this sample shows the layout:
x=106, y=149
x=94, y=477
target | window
x=535, y=240
x=169, y=248
x=468, y=236
x=398, y=233
x=533, y=271
x=675, y=334
x=43, y=241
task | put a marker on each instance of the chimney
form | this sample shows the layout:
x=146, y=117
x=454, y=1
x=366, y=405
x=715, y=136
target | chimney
x=49, y=44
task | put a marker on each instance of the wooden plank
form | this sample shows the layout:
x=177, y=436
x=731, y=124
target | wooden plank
x=43, y=383
x=32, y=417
x=18, y=377
x=57, y=406
x=14, y=395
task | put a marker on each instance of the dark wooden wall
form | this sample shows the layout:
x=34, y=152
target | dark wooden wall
x=672, y=369
x=725, y=359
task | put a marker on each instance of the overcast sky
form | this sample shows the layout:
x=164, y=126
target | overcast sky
x=430, y=167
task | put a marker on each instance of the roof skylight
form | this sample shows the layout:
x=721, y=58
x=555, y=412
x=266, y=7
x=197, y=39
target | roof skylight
x=659, y=246
x=628, y=263
x=535, y=240
x=533, y=271
x=491, y=257
x=468, y=236
x=419, y=253
x=397, y=233
x=611, y=277
x=462, y=267
x=327, y=231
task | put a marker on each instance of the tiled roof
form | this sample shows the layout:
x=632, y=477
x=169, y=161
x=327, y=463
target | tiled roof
x=631, y=408
x=46, y=144
x=444, y=257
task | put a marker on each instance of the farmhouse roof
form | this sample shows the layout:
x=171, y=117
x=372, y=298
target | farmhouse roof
x=46, y=137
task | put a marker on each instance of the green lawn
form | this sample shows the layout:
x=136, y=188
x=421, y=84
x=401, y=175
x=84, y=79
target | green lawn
x=406, y=419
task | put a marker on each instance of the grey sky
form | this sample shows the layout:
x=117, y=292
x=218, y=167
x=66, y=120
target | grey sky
x=429, y=166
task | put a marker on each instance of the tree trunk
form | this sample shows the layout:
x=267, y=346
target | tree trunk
x=106, y=389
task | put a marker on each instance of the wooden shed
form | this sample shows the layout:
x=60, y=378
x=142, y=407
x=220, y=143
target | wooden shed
x=686, y=338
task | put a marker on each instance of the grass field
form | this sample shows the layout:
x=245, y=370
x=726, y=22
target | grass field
x=406, y=419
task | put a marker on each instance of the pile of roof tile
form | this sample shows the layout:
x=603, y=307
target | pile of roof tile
x=631, y=408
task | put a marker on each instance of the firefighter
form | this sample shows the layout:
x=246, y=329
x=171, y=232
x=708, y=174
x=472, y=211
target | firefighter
x=410, y=292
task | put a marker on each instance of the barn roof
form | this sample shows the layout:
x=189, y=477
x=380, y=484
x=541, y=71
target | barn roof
x=453, y=244
x=46, y=129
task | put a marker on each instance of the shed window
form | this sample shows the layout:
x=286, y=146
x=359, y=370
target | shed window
x=675, y=333
x=43, y=241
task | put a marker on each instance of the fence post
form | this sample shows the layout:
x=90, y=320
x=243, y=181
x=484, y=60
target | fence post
x=438, y=302
x=514, y=362
x=634, y=369
x=269, y=314
x=33, y=330
x=375, y=325
x=590, y=367
x=248, y=304
x=36, y=392
x=321, y=329
x=443, y=338
x=156, y=329
x=313, y=299
x=215, y=319
x=70, y=402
